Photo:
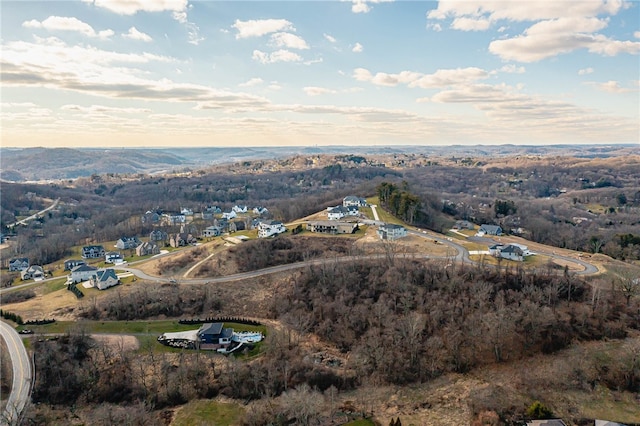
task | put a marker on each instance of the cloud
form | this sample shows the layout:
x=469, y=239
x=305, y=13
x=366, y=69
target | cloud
x=636, y=34
x=585, y=71
x=512, y=69
x=252, y=82
x=357, y=48
x=362, y=6
x=104, y=109
x=61, y=23
x=317, y=91
x=288, y=40
x=131, y=7
x=610, y=86
x=134, y=34
x=260, y=27
x=470, y=24
x=441, y=78
x=434, y=27
x=281, y=55
x=329, y=38
x=558, y=27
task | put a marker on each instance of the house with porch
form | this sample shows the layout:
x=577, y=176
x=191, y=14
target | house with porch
x=92, y=252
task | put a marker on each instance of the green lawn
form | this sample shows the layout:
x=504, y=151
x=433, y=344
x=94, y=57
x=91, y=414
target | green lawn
x=201, y=412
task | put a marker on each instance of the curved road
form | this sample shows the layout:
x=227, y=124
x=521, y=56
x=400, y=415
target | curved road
x=21, y=387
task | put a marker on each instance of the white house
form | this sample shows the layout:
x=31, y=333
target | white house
x=104, y=278
x=239, y=209
x=339, y=212
x=270, y=228
x=489, y=230
x=390, y=231
x=82, y=273
x=113, y=257
x=212, y=231
x=229, y=215
x=260, y=210
x=352, y=200
x=34, y=272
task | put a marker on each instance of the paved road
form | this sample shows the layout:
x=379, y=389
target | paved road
x=35, y=215
x=21, y=375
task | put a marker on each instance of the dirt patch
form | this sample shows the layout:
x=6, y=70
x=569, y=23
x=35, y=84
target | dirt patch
x=118, y=342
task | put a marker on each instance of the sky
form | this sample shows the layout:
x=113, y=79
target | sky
x=180, y=73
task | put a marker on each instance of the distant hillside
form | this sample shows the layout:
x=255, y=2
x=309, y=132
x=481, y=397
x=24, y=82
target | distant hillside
x=65, y=163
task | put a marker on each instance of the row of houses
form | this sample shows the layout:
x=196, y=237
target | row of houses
x=187, y=215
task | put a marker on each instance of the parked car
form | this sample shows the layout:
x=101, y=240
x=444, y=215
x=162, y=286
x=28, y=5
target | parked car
x=25, y=331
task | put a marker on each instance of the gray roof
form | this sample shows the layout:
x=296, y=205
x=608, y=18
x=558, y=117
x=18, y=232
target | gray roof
x=105, y=274
x=211, y=328
x=84, y=268
x=512, y=249
x=490, y=228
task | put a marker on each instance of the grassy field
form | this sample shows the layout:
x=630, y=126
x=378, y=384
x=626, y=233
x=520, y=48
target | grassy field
x=202, y=412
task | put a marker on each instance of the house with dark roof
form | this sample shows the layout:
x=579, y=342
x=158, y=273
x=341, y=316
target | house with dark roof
x=512, y=252
x=463, y=224
x=391, y=231
x=81, y=273
x=18, y=264
x=489, y=230
x=147, y=248
x=72, y=263
x=104, y=279
x=126, y=243
x=352, y=200
x=158, y=236
x=92, y=252
x=214, y=335
x=33, y=272
x=212, y=231
x=113, y=257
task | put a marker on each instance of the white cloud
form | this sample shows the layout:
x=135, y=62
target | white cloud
x=362, y=6
x=512, y=69
x=274, y=86
x=636, y=34
x=61, y=23
x=281, y=55
x=423, y=100
x=441, y=78
x=317, y=91
x=260, y=27
x=104, y=109
x=470, y=24
x=329, y=38
x=134, y=34
x=550, y=38
x=288, y=40
x=357, y=48
x=610, y=86
x=131, y=7
x=434, y=26
x=585, y=71
x=252, y=82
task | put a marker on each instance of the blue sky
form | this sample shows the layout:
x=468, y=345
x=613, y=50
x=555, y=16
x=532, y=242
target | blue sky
x=117, y=73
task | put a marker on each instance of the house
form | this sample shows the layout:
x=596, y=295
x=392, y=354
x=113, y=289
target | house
x=173, y=218
x=463, y=224
x=18, y=264
x=237, y=225
x=81, y=273
x=214, y=335
x=512, y=252
x=213, y=209
x=207, y=215
x=113, y=257
x=186, y=212
x=332, y=227
x=337, y=213
x=270, y=228
x=229, y=215
x=260, y=210
x=33, y=272
x=158, y=236
x=607, y=423
x=489, y=230
x=212, y=231
x=146, y=249
x=352, y=200
x=151, y=217
x=494, y=249
x=390, y=231
x=92, y=252
x=126, y=243
x=181, y=239
x=239, y=209
x=104, y=279
x=72, y=263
